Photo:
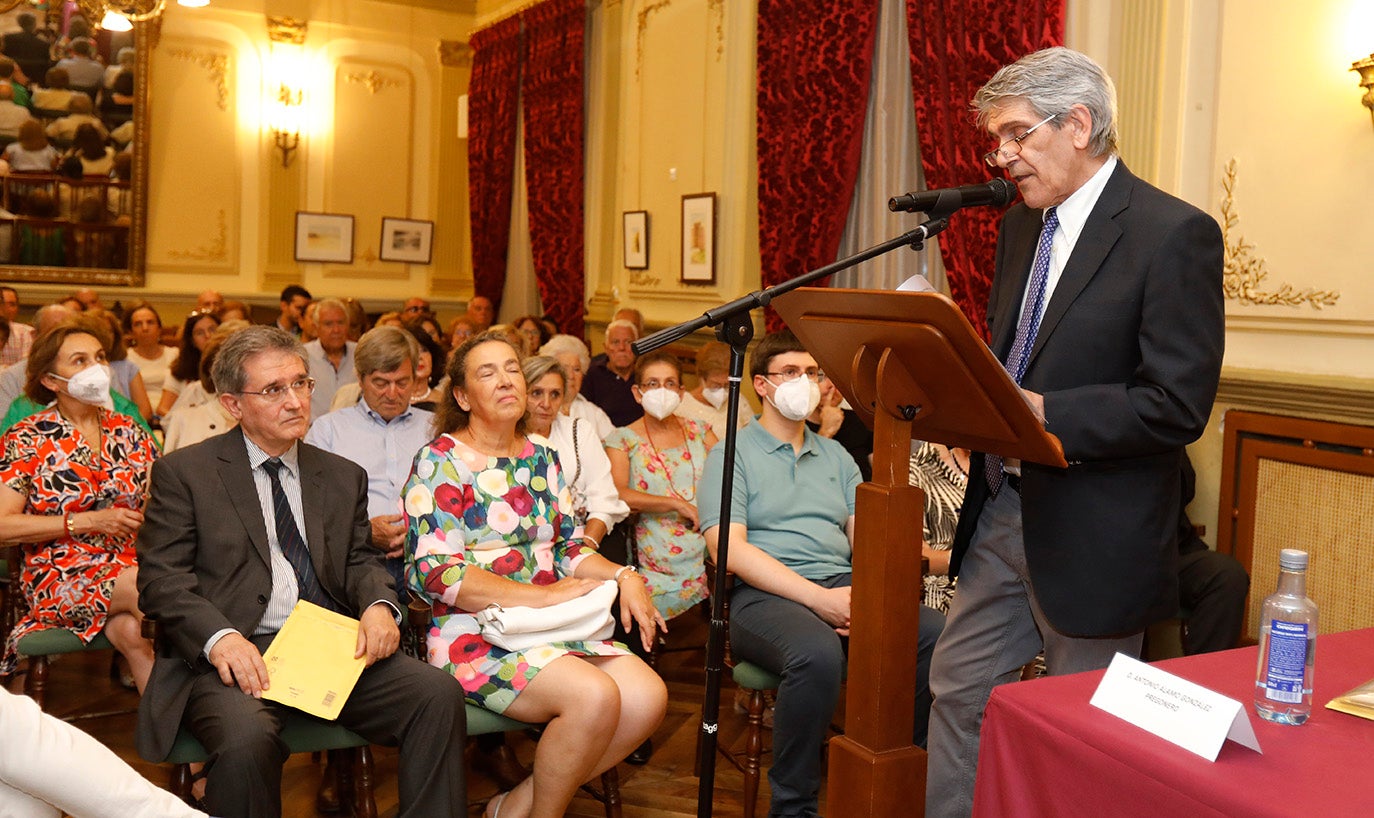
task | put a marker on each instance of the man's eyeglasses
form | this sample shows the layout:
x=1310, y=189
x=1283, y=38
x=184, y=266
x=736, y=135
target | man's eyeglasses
x=791, y=373
x=303, y=388
x=1008, y=150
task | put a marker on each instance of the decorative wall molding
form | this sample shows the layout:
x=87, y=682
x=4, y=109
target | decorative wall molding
x=642, y=25
x=373, y=81
x=641, y=278
x=455, y=54
x=717, y=11
x=216, y=250
x=1347, y=400
x=215, y=64
x=282, y=29
x=1244, y=272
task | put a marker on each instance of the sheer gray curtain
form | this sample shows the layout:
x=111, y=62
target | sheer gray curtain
x=891, y=164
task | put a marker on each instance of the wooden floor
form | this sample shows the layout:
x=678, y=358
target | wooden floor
x=664, y=788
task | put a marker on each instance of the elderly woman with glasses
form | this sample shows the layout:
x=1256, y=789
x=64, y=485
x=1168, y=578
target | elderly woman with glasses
x=490, y=521
x=72, y=480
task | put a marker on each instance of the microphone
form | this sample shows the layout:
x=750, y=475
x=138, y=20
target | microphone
x=995, y=192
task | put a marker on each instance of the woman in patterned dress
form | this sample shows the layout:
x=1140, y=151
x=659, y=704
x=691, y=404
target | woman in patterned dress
x=655, y=463
x=490, y=520
x=942, y=473
x=74, y=477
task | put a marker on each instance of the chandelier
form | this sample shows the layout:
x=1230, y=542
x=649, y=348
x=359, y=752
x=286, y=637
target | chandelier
x=120, y=15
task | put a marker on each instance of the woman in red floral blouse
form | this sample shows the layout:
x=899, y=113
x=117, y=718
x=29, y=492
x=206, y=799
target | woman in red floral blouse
x=72, y=482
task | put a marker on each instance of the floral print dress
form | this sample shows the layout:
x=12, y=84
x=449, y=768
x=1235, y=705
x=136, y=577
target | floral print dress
x=671, y=555
x=511, y=516
x=67, y=582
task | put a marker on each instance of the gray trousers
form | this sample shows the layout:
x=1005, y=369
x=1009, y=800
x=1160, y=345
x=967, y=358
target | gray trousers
x=994, y=627
x=399, y=701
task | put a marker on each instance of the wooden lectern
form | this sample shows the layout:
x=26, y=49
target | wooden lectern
x=912, y=366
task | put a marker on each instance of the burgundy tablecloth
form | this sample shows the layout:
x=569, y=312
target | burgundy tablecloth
x=1046, y=752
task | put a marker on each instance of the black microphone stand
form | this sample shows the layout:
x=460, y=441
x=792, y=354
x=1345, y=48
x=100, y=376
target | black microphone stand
x=734, y=327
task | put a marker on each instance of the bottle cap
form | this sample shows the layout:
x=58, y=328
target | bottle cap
x=1291, y=559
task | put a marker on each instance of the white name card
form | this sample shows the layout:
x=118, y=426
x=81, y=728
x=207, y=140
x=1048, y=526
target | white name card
x=1177, y=710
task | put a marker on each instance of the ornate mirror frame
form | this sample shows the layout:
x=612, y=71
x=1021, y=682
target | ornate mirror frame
x=145, y=39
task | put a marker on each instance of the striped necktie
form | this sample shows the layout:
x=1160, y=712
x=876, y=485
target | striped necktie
x=291, y=543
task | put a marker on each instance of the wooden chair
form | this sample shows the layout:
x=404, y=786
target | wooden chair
x=302, y=733
x=483, y=722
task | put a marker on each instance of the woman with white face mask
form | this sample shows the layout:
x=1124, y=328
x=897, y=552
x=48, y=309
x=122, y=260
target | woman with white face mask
x=707, y=402
x=656, y=462
x=72, y=484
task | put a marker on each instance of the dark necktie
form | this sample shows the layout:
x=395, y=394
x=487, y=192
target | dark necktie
x=290, y=541
x=1026, y=329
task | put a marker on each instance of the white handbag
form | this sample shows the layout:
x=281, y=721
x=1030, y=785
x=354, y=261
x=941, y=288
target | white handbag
x=585, y=619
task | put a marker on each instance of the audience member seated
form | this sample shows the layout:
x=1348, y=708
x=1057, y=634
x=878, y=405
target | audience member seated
x=357, y=318
x=481, y=312
x=429, y=325
x=63, y=130
x=14, y=376
x=143, y=328
x=513, y=337
x=19, y=93
x=942, y=473
x=459, y=330
x=182, y=388
x=20, y=340
x=429, y=369
x=89, y=148
x=117, y=102
x=833, y=419
x=309, y=329
x=382, y=433
x=390, y=319
x=101, y=786
x=416, y=306
x=791, y=544
x=83, y=71
x=42, y=245
x=55, y=95
x=607, y=384
x=490, y=521
x=32, y=153
x=586, y=469
x=294, y=299
x=706, y=402
x=188, y=425
x=330, y=355
x=125, y=377
x=125, y=60
x=533, y=331
x=1212, y=586
x=26, y=48
x=656, y=462
x=210, y=301
x=234, y=531
x=235, y=310
x=73, y=480
x=576, y=358
x=12, y=114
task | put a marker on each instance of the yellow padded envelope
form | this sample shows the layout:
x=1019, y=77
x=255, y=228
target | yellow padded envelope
x=310, y=663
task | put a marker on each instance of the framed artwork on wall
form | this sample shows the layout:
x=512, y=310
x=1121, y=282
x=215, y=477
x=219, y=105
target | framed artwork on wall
x=637, y=239
x=407, y=240
x=324, y=237
x=699, y=238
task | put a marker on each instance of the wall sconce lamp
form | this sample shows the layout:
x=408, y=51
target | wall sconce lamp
x=1366, y=69
x=286, y=108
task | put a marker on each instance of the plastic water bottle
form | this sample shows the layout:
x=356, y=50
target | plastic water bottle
x=1288, y=642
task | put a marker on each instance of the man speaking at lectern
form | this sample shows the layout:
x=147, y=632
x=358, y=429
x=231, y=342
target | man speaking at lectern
x=1106, y=307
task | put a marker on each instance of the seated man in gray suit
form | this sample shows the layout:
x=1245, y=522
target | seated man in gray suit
x=240, y=527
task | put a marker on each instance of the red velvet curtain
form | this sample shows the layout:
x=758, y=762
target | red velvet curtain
x=553, y=103
x=492, y=96
x=956, y=46
x=814, y=62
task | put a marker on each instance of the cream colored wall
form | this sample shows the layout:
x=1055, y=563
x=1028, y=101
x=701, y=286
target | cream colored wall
x=381, y=141
x=1202, y=83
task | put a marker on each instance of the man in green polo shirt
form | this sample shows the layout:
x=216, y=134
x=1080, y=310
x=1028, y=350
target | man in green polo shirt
x=791, y=539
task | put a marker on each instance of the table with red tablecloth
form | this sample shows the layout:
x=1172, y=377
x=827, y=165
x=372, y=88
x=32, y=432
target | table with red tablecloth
x=1047, y=753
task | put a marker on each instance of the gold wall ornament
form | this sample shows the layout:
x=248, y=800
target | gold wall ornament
x=286, y=29
x=641, y=278
x=1365, y=68
x=1243, y=271
x=642, y=25
x=216, y=250
x=717, y=9
x=455, y=54
x=372, y=81
x=217, y=65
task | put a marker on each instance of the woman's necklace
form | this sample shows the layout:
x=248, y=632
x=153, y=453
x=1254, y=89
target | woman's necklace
x=662, y=464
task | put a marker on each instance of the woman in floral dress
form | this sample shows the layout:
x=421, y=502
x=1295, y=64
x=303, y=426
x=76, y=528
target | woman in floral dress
x=490, y=520
x=655, y=463
x=72, y=483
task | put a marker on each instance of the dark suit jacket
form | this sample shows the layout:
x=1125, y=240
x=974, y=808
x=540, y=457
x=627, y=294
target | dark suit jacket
x=204, y=563
x=1128, y=357
x=31, y=52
